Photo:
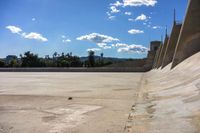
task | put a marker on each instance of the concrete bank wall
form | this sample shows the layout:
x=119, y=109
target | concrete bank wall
x=189, y=39
x=157, y=56
x=162, y=52
x=104, y=69
x=171, y=45
x=168, y=100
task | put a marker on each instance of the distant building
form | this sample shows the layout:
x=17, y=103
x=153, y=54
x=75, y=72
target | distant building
x=154, y=46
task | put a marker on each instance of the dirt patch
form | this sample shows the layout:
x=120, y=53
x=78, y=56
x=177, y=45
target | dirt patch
x=48, y=118
x=150, y=109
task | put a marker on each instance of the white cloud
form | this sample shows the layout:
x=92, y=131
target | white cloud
x=120, y=45
x=66, y=40
x=114, y=9
x=63, y=36
x=108, y=13
x=139, y=49
x=130, y=19
x=135, y=31
x=156, y=27
x=107, y=47
x=101, y=45
x=31, y=35
x=142, y=17
x=125, y=3
x=94, y=49
x=111, y=17
x=117, y=3
x=97, y=38
x=33, y=19
x=144, y=23
x=128, y=13
x=14, y=29
x=104, y=45
x=139, y=2
x=101, y=40
x=35, y=36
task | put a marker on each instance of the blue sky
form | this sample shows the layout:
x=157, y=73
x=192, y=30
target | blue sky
x=118, y=29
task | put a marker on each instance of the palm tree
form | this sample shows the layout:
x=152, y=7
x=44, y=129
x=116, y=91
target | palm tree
x=55, y=54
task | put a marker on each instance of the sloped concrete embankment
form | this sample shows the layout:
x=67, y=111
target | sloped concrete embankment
x=188, y=41
x=169, y=100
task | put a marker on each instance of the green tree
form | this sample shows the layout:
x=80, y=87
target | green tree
x=31, y=60
x=2, y=63
x=75, y=61
x=13, y=63
x=67, y=60
x=91, y=58
x=55, y=54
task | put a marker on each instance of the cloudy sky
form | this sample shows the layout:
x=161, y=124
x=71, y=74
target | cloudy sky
x=118, y=28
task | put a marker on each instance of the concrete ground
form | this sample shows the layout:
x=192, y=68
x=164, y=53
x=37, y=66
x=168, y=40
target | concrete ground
x=38, y=102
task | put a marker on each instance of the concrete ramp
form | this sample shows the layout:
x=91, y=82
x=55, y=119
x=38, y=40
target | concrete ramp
x=171, y=45
x=169, y=100
x=189, y=40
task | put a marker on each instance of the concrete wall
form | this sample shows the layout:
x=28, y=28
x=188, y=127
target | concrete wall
x=130, y=63
x=189, y=39
x=154, y=47
x=162, y=52
x=150, y=59
x=99, y=69
x=157, y=56
x=171, y=45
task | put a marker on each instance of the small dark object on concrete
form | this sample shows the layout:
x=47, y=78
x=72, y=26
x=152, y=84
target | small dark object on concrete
x=70, y=98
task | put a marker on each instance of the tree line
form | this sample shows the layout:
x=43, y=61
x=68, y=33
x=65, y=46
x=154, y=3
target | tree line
x=29, y=59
